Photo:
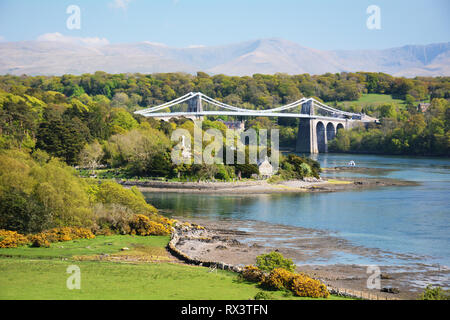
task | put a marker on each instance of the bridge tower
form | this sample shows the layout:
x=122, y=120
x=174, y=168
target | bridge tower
x=306, y=136
x=195, y=104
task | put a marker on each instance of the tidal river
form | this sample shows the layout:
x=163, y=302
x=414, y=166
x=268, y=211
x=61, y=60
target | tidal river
x=411, y=220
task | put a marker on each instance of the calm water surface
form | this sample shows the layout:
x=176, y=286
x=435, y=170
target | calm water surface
x=399, y=219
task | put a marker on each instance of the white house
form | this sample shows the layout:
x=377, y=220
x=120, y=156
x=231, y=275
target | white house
x=265, y=168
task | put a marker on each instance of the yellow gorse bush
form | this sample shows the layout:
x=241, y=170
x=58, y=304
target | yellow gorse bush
x=143, y=226
x=299, y=284
x=278, y=279
x=44, y=239
x=11, y=239
x=304, y=286
x=253, y=274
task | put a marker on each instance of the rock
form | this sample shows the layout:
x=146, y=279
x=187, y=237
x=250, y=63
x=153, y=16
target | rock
x=390, y=290
x=385, y=276
x=220, y=247
x=124, y=249
x=192, y=248
x=234, y=242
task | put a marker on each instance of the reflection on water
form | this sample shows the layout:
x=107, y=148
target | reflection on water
x=401, y=219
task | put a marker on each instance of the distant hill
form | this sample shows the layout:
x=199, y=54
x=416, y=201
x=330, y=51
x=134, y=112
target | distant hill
x=266, y=56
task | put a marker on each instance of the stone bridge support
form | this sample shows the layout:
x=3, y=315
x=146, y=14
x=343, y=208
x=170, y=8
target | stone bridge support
x=314, y=134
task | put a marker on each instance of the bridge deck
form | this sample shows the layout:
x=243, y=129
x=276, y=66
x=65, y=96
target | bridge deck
x=246, y=114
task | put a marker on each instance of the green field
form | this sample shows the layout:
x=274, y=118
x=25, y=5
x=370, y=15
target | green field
x=143, y=272
x=372, y=99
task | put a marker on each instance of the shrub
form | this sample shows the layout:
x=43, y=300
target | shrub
x=270, y=261
x=113, y=217
x=12, y=239
x=44, y=239
x=38, y=194
x=39, y=240
x=304, y=286
x=113, y=193
x=262, y=295
x=252, y=274
x=434, y=293
x=143, y=226
x=278, y=279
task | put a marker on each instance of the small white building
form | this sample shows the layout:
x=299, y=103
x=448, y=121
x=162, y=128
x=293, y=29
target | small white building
x=265, y=168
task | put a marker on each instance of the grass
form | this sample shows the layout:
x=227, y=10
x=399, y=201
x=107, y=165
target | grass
x=376, y=98
x=97, y=246
x=40, y=273
x=372, y=99
x=334, y=181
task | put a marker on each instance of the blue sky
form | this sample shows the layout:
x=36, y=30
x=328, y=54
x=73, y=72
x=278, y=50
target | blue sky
x=321, y=24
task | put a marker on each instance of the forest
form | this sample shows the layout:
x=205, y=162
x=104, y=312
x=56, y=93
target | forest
x=74, y=117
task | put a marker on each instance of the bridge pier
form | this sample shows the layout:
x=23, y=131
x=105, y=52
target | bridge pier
x=314, y=134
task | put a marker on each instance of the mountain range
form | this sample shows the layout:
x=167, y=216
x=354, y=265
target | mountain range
x=267, y=56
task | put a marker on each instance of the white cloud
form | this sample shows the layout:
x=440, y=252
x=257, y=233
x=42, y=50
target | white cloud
x=193, y=46
x=120, y=4
x=158, y=44
x=58, y=37
x=2, y=38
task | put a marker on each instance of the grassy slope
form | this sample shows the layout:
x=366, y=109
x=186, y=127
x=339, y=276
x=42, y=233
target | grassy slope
x=40, y=273
x=373, y=99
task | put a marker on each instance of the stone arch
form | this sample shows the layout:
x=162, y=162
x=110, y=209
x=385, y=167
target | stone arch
x=339, y=127
x=331, y=131
x=321, y=137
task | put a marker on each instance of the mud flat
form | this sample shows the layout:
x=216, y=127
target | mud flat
x=314, y=251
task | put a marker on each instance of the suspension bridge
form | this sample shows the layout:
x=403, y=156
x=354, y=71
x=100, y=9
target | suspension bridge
x=318, y=123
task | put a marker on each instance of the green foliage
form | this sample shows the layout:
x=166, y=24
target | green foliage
x=62, y=115
x=406, y=133
x=295, y=167
x=263, y=295
x=121, y=121
x=144, y=151
x=112, y=193
x=38, y=194
x=435, y=293
x=274, y=260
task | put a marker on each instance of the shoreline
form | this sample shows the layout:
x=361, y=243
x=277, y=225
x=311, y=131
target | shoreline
x=238, y=243
x=263, y=187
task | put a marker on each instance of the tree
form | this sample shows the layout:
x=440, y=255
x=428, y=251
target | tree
x=62, y=138
x=274, y=260
x=91, y=155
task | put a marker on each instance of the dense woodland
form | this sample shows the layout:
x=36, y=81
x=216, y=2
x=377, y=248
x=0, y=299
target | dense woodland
x=72, y=116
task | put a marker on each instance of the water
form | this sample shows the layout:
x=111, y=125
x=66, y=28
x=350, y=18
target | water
x=413, y=220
